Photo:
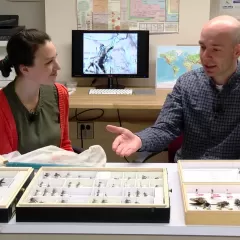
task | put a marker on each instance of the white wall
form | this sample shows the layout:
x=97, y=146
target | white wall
x=61, y=18
x=31, y=14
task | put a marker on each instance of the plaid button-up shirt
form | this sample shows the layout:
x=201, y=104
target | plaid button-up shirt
x=208, y=118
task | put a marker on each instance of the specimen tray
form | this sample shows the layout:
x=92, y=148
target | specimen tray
x=210, y=191
x=13, y=182
x=71, y=194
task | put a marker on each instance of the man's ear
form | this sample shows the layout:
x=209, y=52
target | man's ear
x=237, y=50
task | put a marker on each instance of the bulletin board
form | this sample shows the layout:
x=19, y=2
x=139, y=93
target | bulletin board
x=157, y=16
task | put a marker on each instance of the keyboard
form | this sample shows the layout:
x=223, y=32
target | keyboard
x=126, y=91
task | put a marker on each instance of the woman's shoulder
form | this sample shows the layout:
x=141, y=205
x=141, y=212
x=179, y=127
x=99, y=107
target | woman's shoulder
x=3, y=98
x=5, y=109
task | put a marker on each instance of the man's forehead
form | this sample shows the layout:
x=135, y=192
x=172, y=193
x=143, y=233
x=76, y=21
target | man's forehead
x=215, y=38
x=213, y=42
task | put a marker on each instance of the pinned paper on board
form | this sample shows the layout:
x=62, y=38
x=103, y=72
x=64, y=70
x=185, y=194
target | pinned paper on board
x=157, y=16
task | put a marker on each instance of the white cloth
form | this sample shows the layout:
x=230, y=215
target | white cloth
x=95, y=156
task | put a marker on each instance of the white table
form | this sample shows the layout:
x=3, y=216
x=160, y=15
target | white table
x=175, y=230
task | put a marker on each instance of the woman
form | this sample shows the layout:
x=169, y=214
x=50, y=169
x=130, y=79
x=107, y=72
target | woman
x=33, y=108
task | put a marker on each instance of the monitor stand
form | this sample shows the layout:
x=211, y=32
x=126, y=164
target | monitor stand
x=110, y=85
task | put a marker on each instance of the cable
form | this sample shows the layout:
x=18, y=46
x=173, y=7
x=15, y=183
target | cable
x=81, y=137
x=93, y=82
x=119, y=119
x=81, y=134
x=75, y=117
x=120, y=124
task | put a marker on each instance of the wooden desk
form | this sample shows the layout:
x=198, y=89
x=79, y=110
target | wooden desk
x=81, y=99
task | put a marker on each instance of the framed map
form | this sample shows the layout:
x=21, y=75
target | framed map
x=173, y=61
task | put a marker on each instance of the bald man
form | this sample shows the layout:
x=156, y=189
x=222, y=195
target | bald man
x=204, y=105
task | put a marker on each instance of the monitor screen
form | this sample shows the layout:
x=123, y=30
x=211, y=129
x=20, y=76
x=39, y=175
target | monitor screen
x=110, y=53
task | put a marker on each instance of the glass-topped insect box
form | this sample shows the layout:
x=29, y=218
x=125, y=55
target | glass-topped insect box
x=13, y=181
x=210, y=191
x=59, y=194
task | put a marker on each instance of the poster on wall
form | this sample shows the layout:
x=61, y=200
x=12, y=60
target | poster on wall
x=173, y=61
x=230, y=7
x=157, y=16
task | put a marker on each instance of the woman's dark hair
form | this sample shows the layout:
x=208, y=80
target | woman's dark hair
x=21, y=49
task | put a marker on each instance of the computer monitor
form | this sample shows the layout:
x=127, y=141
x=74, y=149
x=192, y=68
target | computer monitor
x=111, y=54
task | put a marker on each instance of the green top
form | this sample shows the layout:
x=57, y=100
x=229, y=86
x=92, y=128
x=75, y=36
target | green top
x=38, y=129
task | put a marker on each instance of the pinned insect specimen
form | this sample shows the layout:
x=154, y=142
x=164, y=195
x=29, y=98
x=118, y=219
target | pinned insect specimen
x=145, y=194
x=157, y=177
x=129, y=194
x=137, y=193
x=41, y=183
x=63, y=193
x=45, y=192
x=104, y=201
x=78, y=184
x=144, y=177
x=33, y=200
x=222, y=204
x=237, y=202
x=69, y=184
x=37, y=191
x=198, y=201
x=2, y=182
x=99, y=184
x=68, y=174
x=94, y=200
x=98, y=192
x=56, y=175
x=127, y=201
x=63, y=201
x=201, y=202
x=46, y=175
x=54, y=191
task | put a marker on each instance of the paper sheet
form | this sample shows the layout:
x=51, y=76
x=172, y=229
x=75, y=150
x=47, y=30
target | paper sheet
x=84, y=14
x=100, y=21
x=114, y=14
x=100, y=6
